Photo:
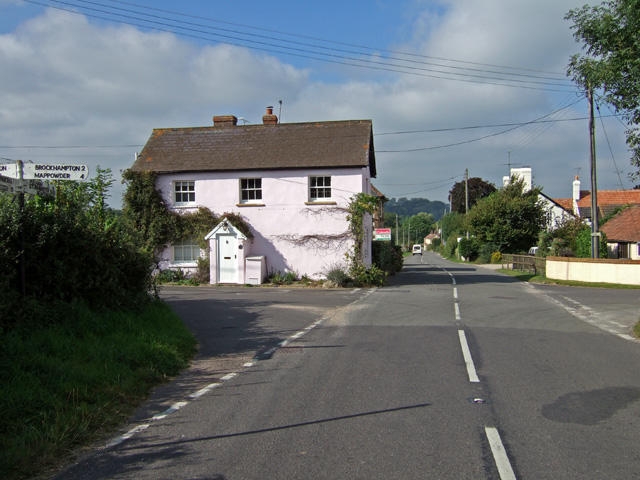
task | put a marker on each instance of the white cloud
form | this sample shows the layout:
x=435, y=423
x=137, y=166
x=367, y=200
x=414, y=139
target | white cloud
x=68, y=81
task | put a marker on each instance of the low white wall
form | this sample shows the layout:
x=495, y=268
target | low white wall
x=626, y=272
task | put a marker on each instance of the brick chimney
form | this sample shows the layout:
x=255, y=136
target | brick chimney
x=270, y=118
x=225, y=121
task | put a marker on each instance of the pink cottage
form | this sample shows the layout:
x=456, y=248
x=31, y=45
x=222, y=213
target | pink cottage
x=291, y=182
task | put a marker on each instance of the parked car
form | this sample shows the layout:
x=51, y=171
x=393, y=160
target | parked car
x=533, y=250
x=417, y=249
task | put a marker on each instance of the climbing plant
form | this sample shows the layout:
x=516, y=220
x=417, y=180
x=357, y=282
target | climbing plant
x=158, y=226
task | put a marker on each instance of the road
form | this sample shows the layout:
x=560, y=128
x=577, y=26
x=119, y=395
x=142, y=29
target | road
x=450, y=372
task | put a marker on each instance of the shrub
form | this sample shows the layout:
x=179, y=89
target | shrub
x=449, y=249
x=387, y=257
x=170, y=275
x=203, y=274
x=337, y=275
x=496, y=257
x=367, y=276
x=486, y=251
x=468, y=248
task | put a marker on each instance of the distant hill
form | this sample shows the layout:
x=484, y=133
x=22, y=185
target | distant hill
x=410, y=207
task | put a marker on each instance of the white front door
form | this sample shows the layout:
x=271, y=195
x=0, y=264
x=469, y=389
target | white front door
x=227, y=259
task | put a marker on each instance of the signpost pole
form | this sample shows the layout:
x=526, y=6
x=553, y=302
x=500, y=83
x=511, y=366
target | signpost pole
x=21, y=265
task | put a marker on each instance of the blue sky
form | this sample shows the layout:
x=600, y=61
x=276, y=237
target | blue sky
x=448, y=84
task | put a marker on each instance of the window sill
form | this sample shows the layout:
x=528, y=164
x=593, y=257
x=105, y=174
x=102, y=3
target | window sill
x=250, y=205
x=185, y=205
x=320, y=203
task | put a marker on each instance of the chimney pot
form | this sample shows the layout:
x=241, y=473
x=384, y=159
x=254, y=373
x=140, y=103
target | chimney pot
x=270, y=118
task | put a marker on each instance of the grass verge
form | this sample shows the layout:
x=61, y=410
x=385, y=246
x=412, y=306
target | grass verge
x=71, y=383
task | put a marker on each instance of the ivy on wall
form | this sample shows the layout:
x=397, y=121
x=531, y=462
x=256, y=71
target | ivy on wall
x=158, y=226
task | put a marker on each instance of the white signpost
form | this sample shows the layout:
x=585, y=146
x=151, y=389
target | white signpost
x=9, y=170
x=42, y=171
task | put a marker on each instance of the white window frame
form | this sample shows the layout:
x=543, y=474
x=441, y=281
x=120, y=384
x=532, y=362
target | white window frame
x=315, y=188
x=190, y=192
x=185, y=252
x=252, y=190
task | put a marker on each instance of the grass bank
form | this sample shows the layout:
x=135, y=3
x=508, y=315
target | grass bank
x=72, y=383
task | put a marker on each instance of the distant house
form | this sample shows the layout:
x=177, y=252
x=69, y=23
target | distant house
x=291, y=183
x=623, y=233
x=557, y=210
x=428, y=240
x=608, y=201
x=378, y=216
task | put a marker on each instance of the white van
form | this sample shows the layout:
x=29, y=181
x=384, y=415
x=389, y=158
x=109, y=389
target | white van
x=417, y=249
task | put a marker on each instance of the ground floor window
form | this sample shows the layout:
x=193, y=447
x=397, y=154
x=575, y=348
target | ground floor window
x=187, y=251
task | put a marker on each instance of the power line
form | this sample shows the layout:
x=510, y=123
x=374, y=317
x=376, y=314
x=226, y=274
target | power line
x=303, y=53
x=452, y=129
x=479, y=138
x=374, y=49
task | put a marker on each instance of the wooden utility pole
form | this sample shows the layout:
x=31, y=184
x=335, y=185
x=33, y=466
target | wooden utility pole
x=595, y=234
x=466, y=194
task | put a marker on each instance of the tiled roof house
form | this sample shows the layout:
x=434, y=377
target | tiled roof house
x=291, y=182
x=623, y=233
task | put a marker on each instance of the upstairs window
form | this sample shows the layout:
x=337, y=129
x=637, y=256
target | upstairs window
x=250, y=190
x=187, y=251
x=319, y=189
x=184, y=193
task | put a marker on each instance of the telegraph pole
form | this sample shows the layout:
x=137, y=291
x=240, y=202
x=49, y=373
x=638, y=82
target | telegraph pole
x=595, y=234
x=466, y=194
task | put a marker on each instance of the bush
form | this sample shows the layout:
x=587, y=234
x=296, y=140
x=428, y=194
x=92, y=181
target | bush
x=370, y=276
x=486, y=251
x=203, y=275
x=336, y=274
x=583, y=244
x=170, y=275
x=75, y=251
x=279, y=278
x=468, y=248
x=387, y=257
x=496, y=257
x=449, y=249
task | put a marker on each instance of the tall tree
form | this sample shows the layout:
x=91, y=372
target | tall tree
x=610, y=37
x=478, y=188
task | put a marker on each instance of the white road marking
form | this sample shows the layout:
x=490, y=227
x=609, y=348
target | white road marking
x=204, y=390
x=471, y=369
x=129, y=434
x=457, y=309
x=499, y=454
x=173, y=408
x=455, y=293
x=229, y=376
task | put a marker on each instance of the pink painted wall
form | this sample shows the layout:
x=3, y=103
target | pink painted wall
x=282, y=212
